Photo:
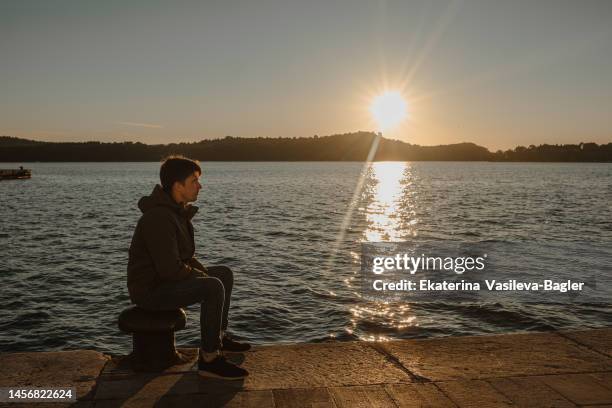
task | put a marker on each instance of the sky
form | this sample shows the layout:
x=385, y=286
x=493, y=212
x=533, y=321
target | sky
x=496, y=73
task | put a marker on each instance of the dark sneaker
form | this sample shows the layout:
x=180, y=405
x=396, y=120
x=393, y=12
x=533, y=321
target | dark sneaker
x=221, y=368
x=232, y=346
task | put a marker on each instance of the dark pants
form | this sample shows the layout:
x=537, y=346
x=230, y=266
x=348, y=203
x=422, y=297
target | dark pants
x=212, y=292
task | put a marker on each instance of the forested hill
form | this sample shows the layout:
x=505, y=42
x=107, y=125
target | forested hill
x=344, y=147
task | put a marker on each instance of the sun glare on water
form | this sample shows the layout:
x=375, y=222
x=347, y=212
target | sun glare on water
x=389, y=110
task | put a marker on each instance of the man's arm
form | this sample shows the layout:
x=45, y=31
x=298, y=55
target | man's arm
x=160, y=240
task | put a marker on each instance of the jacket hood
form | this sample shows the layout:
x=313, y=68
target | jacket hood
x=159, y=198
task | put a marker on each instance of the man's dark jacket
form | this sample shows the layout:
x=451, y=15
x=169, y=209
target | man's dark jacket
x=162, y=247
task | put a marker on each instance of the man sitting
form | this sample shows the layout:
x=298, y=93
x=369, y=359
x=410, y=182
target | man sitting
x=163, y=273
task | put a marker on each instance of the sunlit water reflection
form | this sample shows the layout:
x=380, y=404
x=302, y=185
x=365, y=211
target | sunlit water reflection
x=388, y=205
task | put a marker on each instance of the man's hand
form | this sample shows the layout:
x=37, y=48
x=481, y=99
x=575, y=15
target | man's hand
x=198, y=268
x=199, y=273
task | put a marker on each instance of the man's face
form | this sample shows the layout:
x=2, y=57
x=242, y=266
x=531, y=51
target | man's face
x=190, y=188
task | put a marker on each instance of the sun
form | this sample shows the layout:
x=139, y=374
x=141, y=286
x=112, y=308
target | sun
x=389, y=110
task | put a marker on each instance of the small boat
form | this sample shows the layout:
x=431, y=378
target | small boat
x=15, y=174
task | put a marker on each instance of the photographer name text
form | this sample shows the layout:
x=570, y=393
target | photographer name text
x=428, y=285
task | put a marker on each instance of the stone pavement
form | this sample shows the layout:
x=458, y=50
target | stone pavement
x=551, y=369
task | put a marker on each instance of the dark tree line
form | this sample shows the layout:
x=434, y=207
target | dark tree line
x=583, y=152
x=343, y=147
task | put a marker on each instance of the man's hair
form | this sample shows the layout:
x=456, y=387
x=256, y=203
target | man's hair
x=177, y=168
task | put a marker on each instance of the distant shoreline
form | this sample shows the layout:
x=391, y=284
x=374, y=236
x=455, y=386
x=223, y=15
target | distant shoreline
x=349, y=147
